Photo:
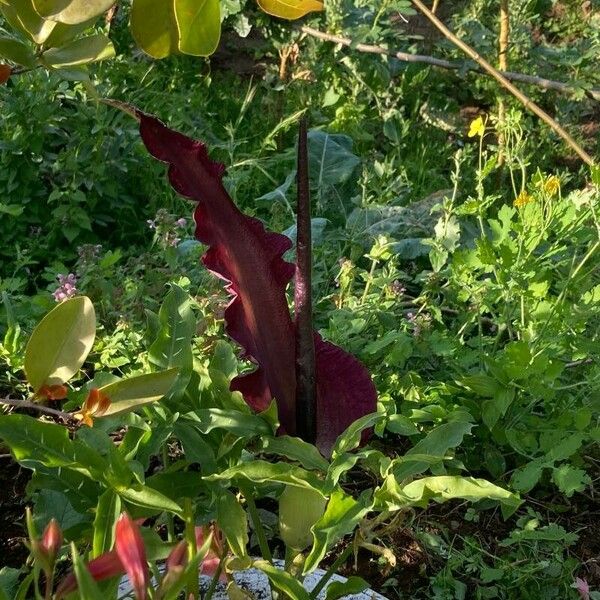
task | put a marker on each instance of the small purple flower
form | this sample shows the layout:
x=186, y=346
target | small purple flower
x=583, y=587
x=67, y=287
x=181, y=222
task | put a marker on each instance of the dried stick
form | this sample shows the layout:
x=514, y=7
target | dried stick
x=504, y=82
x=542, y=82
x=503, y=66
x=40, y=408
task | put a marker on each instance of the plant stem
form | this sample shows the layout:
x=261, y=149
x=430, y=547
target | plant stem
x=339, y=561
x=193, y=585
x=504, y=82
x=43, y=409
x=503, y=39
x=170, y=522
x=306, y=396
x=257, y=524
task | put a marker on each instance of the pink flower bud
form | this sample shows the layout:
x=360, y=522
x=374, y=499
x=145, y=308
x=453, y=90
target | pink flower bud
x=52, y=540
x=129, y=546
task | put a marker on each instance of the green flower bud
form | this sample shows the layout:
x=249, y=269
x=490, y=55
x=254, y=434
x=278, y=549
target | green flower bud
x=299, y=510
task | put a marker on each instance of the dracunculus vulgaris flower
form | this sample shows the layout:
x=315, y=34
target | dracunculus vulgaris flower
x=127, y=557
x=250, y=259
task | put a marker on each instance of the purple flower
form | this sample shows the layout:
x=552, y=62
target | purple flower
x=181, y=222
x=67, y=287
x=583, y=587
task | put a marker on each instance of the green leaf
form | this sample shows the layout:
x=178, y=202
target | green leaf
x=401, y=425
x=199, y=25
x=233, y=521
x=290, y=9
x=86, y=586
x=128, y=394
x=569, y=480
x=296, y=449
x=60, y=343
x=341, y=589
x=107, y=513
x=34, y=442
x=147, y=497
x=260, y=471
x=299, y=510
x=525, y=478
x=235, y=421
x=282, y=581
x=492, y=410
x=341, y=516
x=14, y=210
x=350, y=439
x=80, y=52
x=16, y=52
x=154, y=28
x=71, y=12
x=9, y=580
x=176, y=484
x=23, y=17
x=436, y=443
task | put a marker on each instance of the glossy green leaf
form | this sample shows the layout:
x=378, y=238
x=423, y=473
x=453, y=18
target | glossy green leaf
x=290, y=9
x=80, y=52
x=350, y=439
x=234, y=421
x=260, y=471
x=129, y=394
x=22, y=16
x=107, y=513
x=154, y=28
x=296, y=449
x=60, y=343
x=71, y=12
x=342, y=515
x=34, y=442
x=86, y=586
x=199, y=26
x=233, y=521
x=16, y=52
x=62, y=34
x=282, y=581
x=341, y=589
x=147, y=497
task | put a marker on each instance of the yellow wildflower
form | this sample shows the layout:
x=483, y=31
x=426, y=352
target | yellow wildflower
x=552, y=185
x=522, y=199
x=477, y=128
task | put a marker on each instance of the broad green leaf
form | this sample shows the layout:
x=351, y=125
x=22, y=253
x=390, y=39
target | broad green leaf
x=107, y=513
x=442, y=488
x=22, y=16
x=525, y=478
x=147, y=497
x=60, y=343
x=129, y=394
x=235, y=421
x=86, y=586
x=233, y=521
x=296, y=449
x=154, y=28
x=350, y=439
x=80, y=52
x=195, y=446
x=14, y=210
x=199, y=26
x=401, y=425
x=341, y=516
x=62, y=34
x=16, y=52
x=176, y=484
x=436, y=443
x=9, y=580
x=282, y=581
x=299, y=510
x=71, y=12
x=82, y=491
x=341, y=589
x=260, y=471
x=290, y=9
x=34, y=442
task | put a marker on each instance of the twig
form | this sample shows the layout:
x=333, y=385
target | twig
x=542, y=82
x=43, y=409
x=578, y=363
x=503, y=39
x=504, y=82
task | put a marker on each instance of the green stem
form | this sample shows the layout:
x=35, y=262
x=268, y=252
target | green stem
x=339, y=561
x=256, y=523
x=370, y=278
x=170, y=521
x=193, y=586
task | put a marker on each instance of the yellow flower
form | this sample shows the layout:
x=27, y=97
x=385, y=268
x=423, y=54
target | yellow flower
x=477, y=128
x=522, y=199
x=552, y=185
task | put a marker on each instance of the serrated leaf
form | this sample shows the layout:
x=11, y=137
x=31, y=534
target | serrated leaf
x=60, y=343
x=80, y=52
x=71, y=12
x=154, y=28
x=199, y=26
x=129, y=394
x=16, y=52
x=290, y=9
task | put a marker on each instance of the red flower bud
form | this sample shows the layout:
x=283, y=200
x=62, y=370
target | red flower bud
x=178, y=556
x=5, y=72
x=129, y=546
x=52, y=540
